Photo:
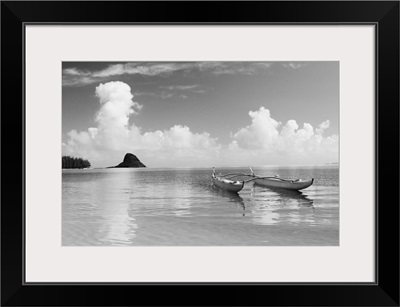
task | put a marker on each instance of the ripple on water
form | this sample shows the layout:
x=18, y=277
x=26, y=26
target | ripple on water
x=182, y=207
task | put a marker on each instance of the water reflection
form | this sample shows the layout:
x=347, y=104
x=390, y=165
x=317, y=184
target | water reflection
x=273, y=206
x=288, y=197
x=232, y=197
x=163, y=199
x=112, y=199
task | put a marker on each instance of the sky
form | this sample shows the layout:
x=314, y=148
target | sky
x=201, y=114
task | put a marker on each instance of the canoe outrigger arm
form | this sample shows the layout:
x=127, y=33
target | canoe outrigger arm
x=233, y=175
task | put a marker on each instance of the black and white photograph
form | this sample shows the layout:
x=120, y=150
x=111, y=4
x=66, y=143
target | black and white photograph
x=200, y=153
x=247, y=146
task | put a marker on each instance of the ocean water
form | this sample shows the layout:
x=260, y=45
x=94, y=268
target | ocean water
x=182, y=207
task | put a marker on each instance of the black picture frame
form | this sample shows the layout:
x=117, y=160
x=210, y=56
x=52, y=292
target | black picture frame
x=383, y=14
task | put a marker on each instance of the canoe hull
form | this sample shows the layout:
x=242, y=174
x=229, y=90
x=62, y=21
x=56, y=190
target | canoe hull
x=228, y=185
x=275, y=183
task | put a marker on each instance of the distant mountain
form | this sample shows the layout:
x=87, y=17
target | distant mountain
x=130, y=160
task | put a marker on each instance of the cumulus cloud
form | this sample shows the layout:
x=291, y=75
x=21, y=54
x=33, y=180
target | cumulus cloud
x=262, y=131
x=113, y=136
x=264, y=141
x=268, y=141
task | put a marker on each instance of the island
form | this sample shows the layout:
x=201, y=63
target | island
x=72, y=162
x=130, y=160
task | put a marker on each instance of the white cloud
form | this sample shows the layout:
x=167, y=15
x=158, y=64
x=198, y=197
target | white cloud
x=294, y=65
x=323, y=126
x=267, y=141
x=77, y=77
x=264, y=141
x=260, y=134
x=75, y=72
x=106, y=144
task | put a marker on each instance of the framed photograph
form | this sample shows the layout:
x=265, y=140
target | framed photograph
x=242, y=153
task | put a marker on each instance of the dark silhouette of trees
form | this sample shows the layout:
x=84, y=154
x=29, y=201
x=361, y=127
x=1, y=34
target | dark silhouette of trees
x=72, y=162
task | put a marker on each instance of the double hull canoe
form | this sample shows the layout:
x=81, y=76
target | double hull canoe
x=275, y=182
x=227, y=185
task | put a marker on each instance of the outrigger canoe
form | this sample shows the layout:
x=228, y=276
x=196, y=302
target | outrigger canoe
x=226, y=184
x=276, y=182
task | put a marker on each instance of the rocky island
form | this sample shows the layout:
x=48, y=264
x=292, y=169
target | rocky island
x=130, y=160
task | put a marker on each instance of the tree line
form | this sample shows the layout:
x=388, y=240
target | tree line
x=72, y=162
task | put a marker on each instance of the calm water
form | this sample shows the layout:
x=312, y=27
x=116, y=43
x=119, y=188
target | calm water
x=170, y=207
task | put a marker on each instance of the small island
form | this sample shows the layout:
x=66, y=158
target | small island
x=72, y=162
x=130, y=160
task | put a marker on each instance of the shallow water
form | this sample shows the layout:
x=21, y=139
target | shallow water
x=181, y=207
